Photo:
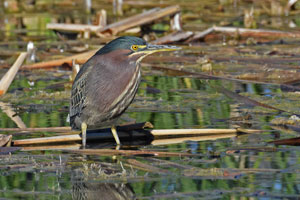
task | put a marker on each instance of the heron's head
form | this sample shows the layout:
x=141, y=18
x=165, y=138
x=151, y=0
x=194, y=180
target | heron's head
x=132, y=48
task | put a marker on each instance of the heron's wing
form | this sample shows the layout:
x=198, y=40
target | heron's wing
x=78, y=95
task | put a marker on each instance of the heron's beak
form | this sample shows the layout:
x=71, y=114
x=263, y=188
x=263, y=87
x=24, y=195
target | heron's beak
x=150, y=48
x=145, y=50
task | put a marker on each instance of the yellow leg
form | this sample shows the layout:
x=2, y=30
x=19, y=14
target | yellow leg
x=115, y=134
x=83, y=133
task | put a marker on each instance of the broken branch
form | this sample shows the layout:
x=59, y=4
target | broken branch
x=140, y=19
x=11, y=73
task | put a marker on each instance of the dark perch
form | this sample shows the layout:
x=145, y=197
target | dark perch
x=107, y=83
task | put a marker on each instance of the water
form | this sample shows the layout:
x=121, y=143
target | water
x=223, y=167
x=176, y=103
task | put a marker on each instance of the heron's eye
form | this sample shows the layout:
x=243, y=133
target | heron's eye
x=134, y=47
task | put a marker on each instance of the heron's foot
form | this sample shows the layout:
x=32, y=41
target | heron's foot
x=83, y=133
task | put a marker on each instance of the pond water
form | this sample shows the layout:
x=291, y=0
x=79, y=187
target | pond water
x=227, y=166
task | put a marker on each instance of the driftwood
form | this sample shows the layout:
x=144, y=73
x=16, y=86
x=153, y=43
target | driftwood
x=82, y=28
x=136, y=132
x=194, y=138
x=141, y=125
x=125, y=24
x=4, y=140
x=51, y=147
x=11, y=73
x=172, y=132
x=174, y=37
x=54, y=139
x=123, y=132
x=290, y=141
x=49, y=129
x=79, y=59
x=244, y=32
x=140, y=19
x=8, y=110
x=73, y=27
x=130, y=152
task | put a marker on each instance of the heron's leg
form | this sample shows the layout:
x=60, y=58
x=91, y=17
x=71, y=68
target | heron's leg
x=115, y=134
x=83, y=133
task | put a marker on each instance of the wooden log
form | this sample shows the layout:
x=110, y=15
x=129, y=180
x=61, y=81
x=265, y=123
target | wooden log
x=43, y=129
x=44, y=140
x=78, y=58
x=126, y=131
x=51, y=147
x=175, y=132
x=126, y=127
x=257, y=32
x=73, y=27
x=178, y=140
x=11, y=73
x=174, y=37
x=140, y=19
x=105, y=134
x=245, y=33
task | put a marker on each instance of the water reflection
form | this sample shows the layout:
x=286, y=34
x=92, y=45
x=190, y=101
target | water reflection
x=88, y=189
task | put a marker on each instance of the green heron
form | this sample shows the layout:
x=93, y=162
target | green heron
x=107, y=83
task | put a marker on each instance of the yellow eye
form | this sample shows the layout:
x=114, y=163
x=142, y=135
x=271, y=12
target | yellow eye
x=134, y=47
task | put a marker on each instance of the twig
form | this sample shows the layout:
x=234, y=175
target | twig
x=129, y=152
x=146, y=167
x=254, y=148
x=244, y=99
x=11, y=73
x=181, y=72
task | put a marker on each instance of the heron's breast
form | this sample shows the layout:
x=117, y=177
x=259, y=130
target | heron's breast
x=112, y=87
